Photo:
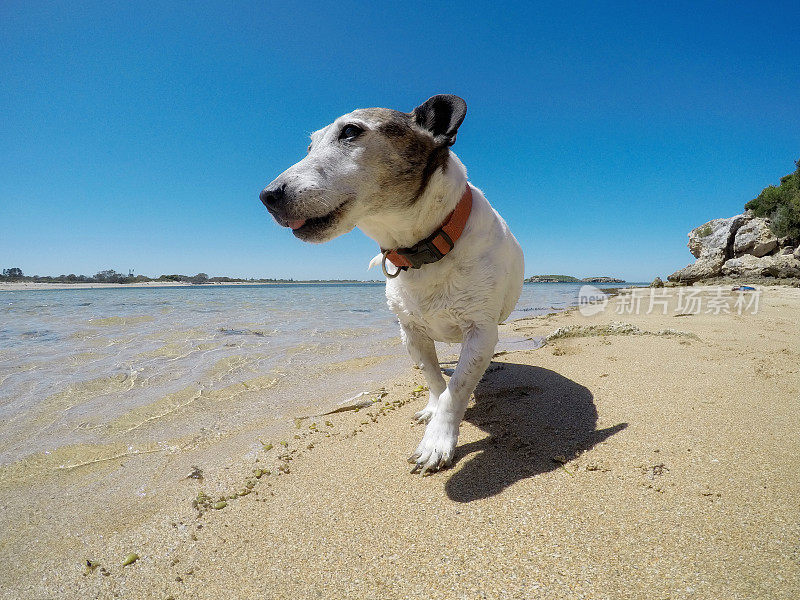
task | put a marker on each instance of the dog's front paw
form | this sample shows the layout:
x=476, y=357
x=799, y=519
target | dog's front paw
x=437, y=447
x=426, y=414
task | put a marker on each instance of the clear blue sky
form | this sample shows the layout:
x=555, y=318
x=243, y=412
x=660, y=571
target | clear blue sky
x=140, y=134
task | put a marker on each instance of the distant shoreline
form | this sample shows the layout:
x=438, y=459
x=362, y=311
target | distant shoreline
x=31, y=285
x=15, y=286
x=571, y=279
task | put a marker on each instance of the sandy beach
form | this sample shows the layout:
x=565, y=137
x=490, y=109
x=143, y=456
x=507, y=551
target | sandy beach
x=631, y=456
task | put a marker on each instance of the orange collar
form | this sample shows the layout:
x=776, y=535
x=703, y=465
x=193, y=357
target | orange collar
x=436, y=245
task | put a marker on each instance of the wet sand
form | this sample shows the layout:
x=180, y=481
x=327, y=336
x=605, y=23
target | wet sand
x=653, y=459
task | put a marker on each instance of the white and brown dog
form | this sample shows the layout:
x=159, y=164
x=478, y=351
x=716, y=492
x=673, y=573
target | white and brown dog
x=456, y=270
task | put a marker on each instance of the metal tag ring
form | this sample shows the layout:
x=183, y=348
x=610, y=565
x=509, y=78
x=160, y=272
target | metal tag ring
x=383, y=266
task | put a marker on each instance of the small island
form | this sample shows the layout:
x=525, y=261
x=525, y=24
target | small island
x=571, y=279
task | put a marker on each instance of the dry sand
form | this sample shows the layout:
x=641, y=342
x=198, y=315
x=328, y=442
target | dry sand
x=605, y=466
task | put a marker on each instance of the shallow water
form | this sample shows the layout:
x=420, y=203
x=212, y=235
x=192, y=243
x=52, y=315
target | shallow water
x=138, y=367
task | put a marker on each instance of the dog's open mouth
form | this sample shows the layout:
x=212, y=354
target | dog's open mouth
x=305, y=228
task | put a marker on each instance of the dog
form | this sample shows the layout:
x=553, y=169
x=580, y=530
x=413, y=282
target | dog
x=454, y=270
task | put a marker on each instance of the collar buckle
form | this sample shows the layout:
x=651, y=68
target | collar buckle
x=429, y=250
x=436, y=245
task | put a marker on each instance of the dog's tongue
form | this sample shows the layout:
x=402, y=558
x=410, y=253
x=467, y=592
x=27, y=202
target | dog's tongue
x=296, y=224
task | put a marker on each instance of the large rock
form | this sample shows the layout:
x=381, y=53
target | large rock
x=708, y=265
x=710, y=243
x=745, y=266
x=783, y=266
x=715, y=234
x=778, y=265
x=741, y=246
x=755, y=237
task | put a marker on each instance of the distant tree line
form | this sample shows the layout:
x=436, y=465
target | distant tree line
x=111, y=276
x=781, y=205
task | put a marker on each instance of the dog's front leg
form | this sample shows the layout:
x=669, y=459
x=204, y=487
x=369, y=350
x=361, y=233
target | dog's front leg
x=441, y=435
x=423, y=352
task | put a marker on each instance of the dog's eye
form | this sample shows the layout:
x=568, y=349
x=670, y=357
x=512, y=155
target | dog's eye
x=350, y=132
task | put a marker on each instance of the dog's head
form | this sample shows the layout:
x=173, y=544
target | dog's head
x=366, y=162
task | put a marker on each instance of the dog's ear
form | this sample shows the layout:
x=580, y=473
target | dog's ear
x=442, y=116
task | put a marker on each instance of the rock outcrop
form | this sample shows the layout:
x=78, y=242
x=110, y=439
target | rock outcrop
x=755, y=238
x=740, y=246
x=777, y=265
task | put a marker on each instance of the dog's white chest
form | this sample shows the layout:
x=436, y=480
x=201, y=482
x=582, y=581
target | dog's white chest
x=430, y=308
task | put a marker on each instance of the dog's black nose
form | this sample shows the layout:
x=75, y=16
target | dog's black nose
x=273, y=195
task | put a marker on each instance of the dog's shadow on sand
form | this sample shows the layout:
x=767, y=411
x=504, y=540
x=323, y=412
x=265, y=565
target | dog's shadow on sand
x=536, y=420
